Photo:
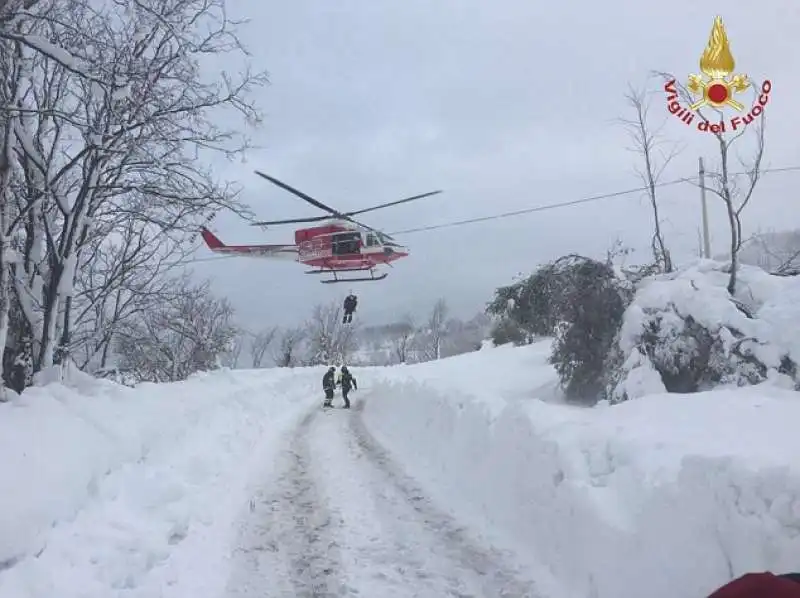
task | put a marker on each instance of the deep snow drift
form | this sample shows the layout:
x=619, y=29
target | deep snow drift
x=141, y=492
x=134, y=492
x=684, y=332
x=664, y=496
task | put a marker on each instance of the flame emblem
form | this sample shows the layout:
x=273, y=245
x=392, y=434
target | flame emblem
x=718, y=87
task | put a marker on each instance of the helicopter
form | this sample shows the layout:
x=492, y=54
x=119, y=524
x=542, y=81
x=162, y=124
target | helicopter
x=339, y=245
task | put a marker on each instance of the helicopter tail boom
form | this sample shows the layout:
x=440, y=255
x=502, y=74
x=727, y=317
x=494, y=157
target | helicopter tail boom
x=288, y=252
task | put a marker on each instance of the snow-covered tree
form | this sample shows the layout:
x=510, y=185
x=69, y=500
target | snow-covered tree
x=121, y=275
x=777, y=252
x=330, y=341
x=580, y=301
x=402, y=340
x=187, y=333
x=111, y=155
x=9, y=90
x=527, y=308
x=231, y=358
x=465, y=336
x=431, y=339
x=589, y=311
x=260, y=343
x=286, y=353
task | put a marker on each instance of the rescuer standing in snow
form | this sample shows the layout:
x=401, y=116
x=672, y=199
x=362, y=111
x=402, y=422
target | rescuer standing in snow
x=328, y=385
x=347, y=382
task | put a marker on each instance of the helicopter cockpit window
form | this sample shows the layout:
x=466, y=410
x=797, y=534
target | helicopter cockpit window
x=345, y=243
x=372, y=240
x=386, y=240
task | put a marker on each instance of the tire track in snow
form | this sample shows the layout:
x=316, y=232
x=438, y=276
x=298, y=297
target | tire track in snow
x=396, y=542
x=498, y=577
x=290, y=530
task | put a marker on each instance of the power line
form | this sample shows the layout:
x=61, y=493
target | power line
x=573, y=202
x=546, y=207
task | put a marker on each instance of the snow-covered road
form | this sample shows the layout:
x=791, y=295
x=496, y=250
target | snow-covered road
x=238, y=484
x=338, y=517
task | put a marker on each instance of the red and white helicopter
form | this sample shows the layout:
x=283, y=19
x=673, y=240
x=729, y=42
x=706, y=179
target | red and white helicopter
x=340, y=245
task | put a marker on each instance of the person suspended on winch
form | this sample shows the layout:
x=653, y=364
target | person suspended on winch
x=350, y=303
x=329, y=385
x=348, y=383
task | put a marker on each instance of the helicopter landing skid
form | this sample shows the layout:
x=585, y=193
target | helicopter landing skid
x=336, y=273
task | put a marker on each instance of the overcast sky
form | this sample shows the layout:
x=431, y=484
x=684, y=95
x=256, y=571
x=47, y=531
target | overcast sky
x=504, y=105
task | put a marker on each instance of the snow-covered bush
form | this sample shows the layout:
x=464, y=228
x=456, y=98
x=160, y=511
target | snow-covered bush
x=118, y=375
x=685, y=333
x=505, y=330
x=589, y=307
x=578, y=299
x=527, y=309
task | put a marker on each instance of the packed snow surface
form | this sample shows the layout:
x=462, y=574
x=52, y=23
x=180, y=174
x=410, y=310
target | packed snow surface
x=464, y=477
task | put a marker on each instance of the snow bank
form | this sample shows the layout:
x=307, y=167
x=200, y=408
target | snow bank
x=133, y=491
x=495, y=374
x=669, y=495
x=684, y=332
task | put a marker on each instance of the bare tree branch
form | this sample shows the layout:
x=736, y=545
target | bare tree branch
x=431, y=339
x=724, y=183
x=260, y=343
x=112, y=138
x=647, y=143
x=331, y=341
x=401, y=343
x=286, y=353
x=171, y=341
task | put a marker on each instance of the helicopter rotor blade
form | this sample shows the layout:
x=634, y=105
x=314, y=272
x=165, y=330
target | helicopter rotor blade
x=362, y=211
x=290, y=221
x=300, y=194
x=393, y=203
x=313, y=202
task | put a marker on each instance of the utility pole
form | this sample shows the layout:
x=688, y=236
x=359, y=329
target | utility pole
x=706, y=241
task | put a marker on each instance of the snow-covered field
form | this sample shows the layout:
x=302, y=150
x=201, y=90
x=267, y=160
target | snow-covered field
x=465, y=475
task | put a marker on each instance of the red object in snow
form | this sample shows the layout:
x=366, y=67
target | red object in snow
x=759, y=585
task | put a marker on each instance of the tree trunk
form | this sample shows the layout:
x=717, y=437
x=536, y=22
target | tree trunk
x=734, y=249
x=9, y=99
x=732, y=220
x=62, y=350
x=48, y=341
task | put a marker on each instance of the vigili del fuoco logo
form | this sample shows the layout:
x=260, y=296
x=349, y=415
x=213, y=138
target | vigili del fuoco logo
x=717, y=87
